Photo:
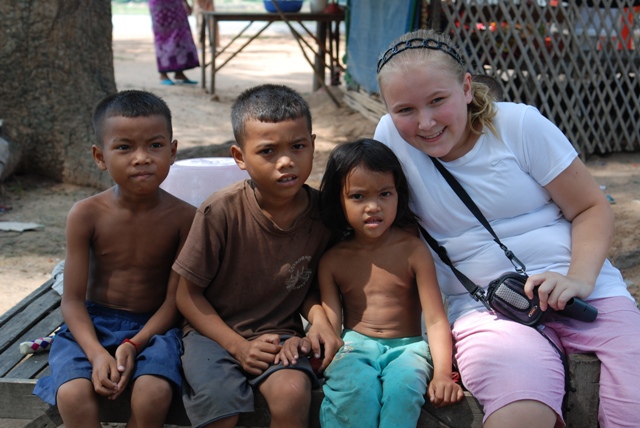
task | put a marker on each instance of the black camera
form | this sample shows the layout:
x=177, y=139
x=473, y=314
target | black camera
x=579, y=310
x=506, y=295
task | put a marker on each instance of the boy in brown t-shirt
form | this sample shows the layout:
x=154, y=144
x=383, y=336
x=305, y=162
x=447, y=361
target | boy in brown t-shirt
x=247, y=269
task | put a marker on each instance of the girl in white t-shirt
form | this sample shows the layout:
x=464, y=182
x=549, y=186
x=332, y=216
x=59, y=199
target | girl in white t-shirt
x=543, y=204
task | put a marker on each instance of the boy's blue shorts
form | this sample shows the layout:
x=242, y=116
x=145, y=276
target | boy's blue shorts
x=68, y=361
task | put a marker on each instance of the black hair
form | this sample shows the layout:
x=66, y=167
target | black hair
x=374, y=156
x=131, y=103
x=267, y=103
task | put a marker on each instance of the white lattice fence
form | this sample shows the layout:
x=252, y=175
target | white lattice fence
x=577, y=61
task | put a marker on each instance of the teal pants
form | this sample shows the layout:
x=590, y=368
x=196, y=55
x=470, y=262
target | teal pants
x=376, y=382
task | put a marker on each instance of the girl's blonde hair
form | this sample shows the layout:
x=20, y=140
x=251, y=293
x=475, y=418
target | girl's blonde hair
x=429, y=46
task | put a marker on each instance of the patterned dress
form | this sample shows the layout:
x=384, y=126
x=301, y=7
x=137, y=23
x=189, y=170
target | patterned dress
x=175, y=49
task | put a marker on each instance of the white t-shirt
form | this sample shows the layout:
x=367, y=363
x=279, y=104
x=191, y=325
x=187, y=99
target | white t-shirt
x=505, y=177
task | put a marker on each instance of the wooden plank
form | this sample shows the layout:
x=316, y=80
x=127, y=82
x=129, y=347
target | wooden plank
x=46, y=371
x=22, y=321
x=370, y=106
x=19, y=403
x=17, y=400
x=466, y=414
x=12, y=357
x=118, y=411
x=30, y=366
x=50, y=419
x=582, y=404
x=582, y=409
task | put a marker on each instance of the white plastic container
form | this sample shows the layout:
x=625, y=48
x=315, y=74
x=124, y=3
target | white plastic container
x=193, y=180
x=317, y=6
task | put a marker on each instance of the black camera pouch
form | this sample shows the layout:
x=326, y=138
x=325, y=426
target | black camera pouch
x=506, y=296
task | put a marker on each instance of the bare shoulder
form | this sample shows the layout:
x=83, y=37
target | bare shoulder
x=415, y=251
x=182, y=210
x=408, y=240
x=336, y=255
x=91, y=208
x=409, y=247
x=340, y=249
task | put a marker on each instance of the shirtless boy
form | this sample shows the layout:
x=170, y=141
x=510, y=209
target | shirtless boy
x=119, y=290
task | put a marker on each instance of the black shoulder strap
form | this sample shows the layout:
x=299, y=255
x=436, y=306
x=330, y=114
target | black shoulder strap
x=466, y=199
x=475, y=290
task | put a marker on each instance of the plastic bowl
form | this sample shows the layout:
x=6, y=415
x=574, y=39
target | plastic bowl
x=285, y=5
x=193, y=180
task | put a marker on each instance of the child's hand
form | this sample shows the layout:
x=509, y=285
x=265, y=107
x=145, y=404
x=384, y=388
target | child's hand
x=257, y=355
x=324, y=337
x=444, y=391
x=125, y=361
x=105, y=375
x=292, y=349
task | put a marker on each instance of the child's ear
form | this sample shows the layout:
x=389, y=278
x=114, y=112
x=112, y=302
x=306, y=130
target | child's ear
x=238, y=156
x=98, y=157
x=174, y=150
x=467, y=88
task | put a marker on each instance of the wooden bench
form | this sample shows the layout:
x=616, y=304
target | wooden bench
x=38, y=315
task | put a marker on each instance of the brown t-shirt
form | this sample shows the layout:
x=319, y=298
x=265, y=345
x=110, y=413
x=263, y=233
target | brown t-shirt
x=256, y=275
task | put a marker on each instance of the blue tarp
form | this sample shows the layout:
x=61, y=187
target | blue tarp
x=373, y=25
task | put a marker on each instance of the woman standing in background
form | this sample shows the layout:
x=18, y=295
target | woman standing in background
x=175, y=49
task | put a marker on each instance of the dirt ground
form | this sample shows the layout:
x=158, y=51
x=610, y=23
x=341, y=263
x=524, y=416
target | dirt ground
x=27, y=258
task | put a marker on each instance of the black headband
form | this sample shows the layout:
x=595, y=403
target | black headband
x=419, y=43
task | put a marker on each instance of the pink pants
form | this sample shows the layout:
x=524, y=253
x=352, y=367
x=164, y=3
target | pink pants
x=501, y=361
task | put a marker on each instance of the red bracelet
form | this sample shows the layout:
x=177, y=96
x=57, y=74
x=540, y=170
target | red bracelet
x=135, y=345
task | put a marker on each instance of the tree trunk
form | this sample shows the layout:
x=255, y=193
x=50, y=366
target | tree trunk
x=56, y=63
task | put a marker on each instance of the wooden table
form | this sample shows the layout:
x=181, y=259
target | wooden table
x=327, y=30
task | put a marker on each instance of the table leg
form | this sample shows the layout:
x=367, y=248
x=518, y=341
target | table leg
x=214, y=52
x=318, y=69
x=203, y=49
x=334, y=40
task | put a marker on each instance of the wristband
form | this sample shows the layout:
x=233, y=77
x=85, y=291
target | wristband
x=135, y=345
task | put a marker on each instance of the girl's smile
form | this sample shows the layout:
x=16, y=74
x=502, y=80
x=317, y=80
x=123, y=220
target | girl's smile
x=430, y=110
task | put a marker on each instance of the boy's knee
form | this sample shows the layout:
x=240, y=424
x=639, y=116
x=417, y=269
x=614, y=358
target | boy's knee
x=75, y=393
x=77, y=401
x=297, y=384
x=293, y=384
x=152, y=391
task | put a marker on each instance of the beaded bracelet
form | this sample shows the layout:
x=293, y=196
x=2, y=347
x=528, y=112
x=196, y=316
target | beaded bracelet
x=135, y=345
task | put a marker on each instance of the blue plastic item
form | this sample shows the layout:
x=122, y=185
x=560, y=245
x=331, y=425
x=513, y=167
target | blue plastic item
x=285, y=5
